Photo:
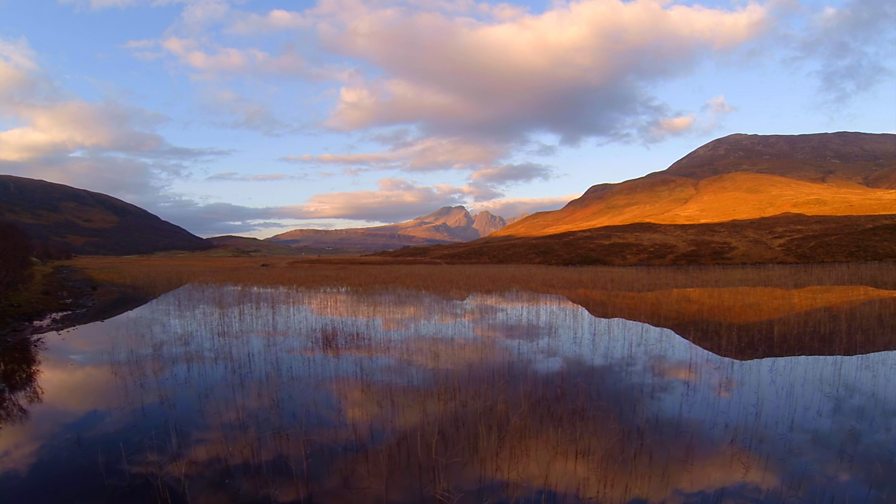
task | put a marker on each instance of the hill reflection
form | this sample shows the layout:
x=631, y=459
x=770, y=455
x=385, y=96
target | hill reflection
x=234, y=394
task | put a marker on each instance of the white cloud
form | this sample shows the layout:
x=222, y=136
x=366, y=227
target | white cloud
x=576, y=70
x=668, y=126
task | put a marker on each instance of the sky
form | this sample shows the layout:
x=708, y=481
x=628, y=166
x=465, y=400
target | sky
x=254, y=117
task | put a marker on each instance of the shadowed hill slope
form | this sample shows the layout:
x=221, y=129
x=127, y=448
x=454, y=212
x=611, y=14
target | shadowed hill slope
x=63, y=218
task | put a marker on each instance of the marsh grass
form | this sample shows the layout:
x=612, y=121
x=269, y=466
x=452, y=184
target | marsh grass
x=164, y=272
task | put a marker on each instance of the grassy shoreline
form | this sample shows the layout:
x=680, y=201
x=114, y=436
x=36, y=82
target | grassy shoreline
x=162, y=272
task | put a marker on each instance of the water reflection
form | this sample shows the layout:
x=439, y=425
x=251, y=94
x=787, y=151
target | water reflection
x=18, y=378
x=239, y=394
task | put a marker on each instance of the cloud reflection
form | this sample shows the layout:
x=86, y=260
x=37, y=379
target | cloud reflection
x=339, y=395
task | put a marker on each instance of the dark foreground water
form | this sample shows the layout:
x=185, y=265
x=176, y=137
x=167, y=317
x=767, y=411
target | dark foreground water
x=228, y=394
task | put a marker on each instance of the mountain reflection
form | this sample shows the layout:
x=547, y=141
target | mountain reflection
x=245, y=394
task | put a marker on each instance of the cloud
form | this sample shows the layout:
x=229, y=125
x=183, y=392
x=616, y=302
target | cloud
x=229, y=60
x=503, y=174
x=668, y=126
x=48, y=123
x=103, y=146
x=474, y=83
x=394, y=200
x=718, y=105
x=705, y=121
x=510, y=208
x=132, y=180
x=276, y=19
x=421, y=154
x=263, y=177
x=851, y=47
x=489, y=178
x=243, y=113
x=75, y=125
x=577, y=70
x=481, y=159
x=17, y=69
x=118, y=4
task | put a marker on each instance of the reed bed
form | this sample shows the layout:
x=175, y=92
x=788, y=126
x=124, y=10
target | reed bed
x=338, y=395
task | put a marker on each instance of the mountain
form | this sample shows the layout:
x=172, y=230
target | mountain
x=249, y=246
x=741, y=177
x=487, y=223
x=738, y=199
x=64, y=219
x=445, y=225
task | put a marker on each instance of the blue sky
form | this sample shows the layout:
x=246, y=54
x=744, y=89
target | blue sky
x=229, y=116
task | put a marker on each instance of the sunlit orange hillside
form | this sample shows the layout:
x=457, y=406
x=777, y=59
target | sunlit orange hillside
x=741, y=177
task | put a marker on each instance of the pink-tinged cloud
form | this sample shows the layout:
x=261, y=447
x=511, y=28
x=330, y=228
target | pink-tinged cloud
x=430, y=153
x=228, y=60
x=393, y=200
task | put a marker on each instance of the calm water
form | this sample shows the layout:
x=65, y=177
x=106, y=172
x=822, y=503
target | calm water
x=238, y=394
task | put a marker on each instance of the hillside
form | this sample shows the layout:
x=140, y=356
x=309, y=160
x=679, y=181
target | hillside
x=741, y=177
x=783, y=239
x=60, y=218
x=737, y=200
x=446, y=225
x=248, y=246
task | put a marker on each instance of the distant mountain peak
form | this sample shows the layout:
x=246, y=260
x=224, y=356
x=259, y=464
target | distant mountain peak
x=449, y=224
x=452, y=216
x=487, y=223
